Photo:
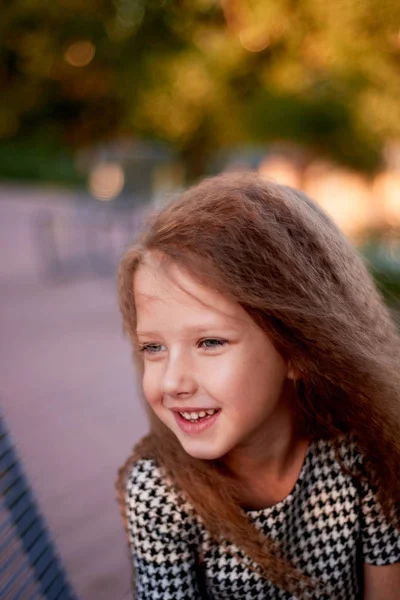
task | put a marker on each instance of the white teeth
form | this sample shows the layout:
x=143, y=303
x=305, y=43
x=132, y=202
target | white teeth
x=194, y=416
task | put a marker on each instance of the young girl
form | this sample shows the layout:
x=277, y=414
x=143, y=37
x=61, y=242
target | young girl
x=271, y=370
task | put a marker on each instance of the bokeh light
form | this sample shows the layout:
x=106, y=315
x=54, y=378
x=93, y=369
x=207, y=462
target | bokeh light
x=254, y=40
x=106, y=181
x=280, y=169
x=80, y=54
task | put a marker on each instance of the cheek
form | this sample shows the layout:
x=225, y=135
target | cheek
x=259, y=383
x=218, y=375
x=150, y=385
x=270, y=375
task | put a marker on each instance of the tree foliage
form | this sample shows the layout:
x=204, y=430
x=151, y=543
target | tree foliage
x=204, y=74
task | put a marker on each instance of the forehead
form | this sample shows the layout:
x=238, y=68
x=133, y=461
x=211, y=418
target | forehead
x=159, y=291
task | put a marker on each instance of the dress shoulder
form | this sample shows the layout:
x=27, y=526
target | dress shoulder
x=155, y=507
x=380, y=533
x=350, y=456
x=163, y=536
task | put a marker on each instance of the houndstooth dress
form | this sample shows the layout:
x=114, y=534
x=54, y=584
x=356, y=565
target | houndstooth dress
x=328, y=526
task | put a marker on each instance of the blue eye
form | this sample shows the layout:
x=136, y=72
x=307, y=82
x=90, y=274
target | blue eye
x=151, y=348
x=212, y=343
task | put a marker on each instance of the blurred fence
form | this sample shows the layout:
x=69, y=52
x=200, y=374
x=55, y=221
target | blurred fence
x=57, y=236
x=87, y=242
x=30, y=568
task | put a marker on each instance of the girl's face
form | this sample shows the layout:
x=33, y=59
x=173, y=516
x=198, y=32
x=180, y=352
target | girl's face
x=210, y=373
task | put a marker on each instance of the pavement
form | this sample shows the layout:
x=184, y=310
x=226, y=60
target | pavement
x=68, y=390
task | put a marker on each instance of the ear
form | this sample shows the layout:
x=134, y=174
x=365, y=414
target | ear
x=293, y=372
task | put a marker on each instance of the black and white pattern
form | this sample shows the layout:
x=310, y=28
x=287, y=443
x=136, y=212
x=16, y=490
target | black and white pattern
x=328, y=526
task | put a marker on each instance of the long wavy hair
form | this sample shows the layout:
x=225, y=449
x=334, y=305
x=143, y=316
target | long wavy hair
x=272, y=250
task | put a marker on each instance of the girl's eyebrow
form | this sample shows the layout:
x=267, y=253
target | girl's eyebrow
x=147, y=334
x=198, y=329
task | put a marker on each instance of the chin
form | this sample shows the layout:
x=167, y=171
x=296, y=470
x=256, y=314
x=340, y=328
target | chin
x=203, y=451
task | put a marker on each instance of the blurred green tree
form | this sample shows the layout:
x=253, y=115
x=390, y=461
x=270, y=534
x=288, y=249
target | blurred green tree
x=202, y=74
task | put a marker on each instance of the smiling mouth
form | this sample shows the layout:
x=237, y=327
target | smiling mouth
x=196, y=417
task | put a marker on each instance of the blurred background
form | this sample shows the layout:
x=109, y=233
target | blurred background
x=109, y=107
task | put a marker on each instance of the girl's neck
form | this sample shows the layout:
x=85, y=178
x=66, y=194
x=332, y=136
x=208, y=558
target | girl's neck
x=268, y=465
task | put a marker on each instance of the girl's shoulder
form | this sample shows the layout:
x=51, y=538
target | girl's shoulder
x=326, y=459
x=348, y=454
x=152, y=497
x=148, y=484
x=341, y=456
x=146, y=474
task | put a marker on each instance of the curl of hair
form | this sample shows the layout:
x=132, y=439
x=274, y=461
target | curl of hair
x=271, y=249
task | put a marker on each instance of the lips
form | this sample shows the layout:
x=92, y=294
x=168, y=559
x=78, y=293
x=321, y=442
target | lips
x=198, y=424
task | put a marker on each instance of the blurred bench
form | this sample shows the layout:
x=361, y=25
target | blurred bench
x=30, y=568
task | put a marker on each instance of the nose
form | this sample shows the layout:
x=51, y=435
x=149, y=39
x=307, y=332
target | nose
x=179, y=379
